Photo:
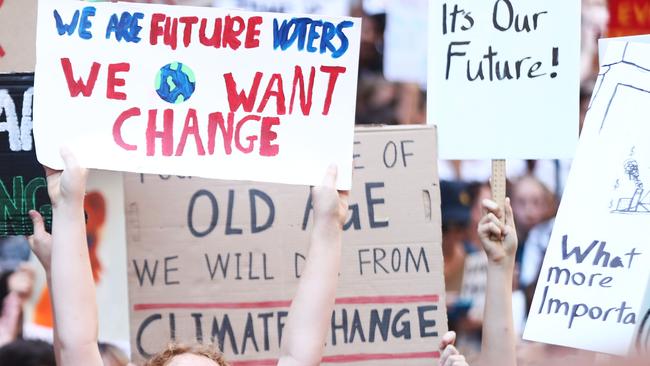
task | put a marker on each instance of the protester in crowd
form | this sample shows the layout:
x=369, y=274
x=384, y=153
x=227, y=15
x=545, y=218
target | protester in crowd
x=533, y=204
x=455, y=207
x=498, y=236
x=27, y=353
x=15, y=289
x=64, y=256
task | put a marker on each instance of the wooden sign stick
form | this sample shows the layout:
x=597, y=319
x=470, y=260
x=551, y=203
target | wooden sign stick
x=498, y=182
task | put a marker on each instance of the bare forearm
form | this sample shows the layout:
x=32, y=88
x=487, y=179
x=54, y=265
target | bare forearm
x=498, y=347
x=311, y=309
x=72, y=288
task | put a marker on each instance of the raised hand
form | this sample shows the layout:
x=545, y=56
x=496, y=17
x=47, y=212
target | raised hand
x=450, y=355
x=68, y=185
x=497, y=232
x=329, y=204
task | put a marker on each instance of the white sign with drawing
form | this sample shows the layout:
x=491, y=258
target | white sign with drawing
x=594, y=281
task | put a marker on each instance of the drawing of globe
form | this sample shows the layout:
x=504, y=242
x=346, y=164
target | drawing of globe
x=175, y=83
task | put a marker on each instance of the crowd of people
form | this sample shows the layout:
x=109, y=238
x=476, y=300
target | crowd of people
x=491, y=265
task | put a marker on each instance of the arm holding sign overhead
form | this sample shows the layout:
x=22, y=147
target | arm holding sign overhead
x=311, y=309
x=499, y=238
x=65, y=258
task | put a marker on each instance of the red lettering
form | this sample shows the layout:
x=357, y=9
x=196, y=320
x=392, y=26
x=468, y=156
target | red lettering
x=117, y=128
x=171, y=32
x=278, y=93
x=251, y=139
x=188, y=22
x=334, y=72
x=78, y=86
x=215, y=39
x=230, y=34
x=237, y=99
x=252, y=32
x=305, y=100
x=156, y=30
x=113, y=81
x=166, y=135
x=267, y=136
x=214, y=120
x=191, y=127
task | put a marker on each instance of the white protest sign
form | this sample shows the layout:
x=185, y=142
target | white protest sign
x=322, y=7
x=504, y=78
x=406, y=24
x=196, y=91
x=594, y=279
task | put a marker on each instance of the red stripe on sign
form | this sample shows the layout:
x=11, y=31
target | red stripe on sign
x=359, y=300
x=2, y=52
x=362, y=357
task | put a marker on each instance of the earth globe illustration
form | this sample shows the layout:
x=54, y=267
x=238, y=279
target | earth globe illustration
x=175, y=83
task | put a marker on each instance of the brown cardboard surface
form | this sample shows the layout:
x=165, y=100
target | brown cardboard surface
x=18, y=35
x=225, y=272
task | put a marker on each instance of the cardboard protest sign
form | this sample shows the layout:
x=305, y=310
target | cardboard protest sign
x=594, y=280
x=197, y=91
x=218, y=261
x=22, y=179
x=17, y=35
x=405, y=53
x=628, y=17
x=322, y=7
x=504, y=78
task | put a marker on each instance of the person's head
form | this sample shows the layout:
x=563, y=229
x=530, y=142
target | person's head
x=532, y=203
x=113, y=356
x=27, y=353
x=181, y=355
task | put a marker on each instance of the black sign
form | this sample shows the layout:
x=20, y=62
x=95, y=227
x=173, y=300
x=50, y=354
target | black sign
x=22, y=179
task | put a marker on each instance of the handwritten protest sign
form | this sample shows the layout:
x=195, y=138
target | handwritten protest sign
x=17, y=35
x=219, y=261
x=504, y=78
x=22, y=179
x=197, y=91
x=594, y=279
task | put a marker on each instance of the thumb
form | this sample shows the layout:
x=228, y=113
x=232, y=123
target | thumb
x=37, y=222
x=509, y=216
x=447, y=339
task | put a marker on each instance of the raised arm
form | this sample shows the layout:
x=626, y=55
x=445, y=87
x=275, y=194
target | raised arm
x=499, y=237
x=311, y=310
x=64, y=256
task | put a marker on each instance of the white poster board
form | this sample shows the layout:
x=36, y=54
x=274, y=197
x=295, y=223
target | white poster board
x=594, y=279
x=504, y=78
x=155, y=89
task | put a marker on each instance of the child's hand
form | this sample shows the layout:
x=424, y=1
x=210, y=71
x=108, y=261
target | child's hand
x=497, y=232
x=329, y=204
x=450, y=355
x=41, y=240
x=68, y=185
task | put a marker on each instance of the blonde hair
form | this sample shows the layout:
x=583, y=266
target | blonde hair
x=173, y=350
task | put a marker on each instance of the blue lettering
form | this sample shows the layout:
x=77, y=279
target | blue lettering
x=305, y=34
x=344, y=39
x=84, y=23
x=63, y=28
x=126, y=27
